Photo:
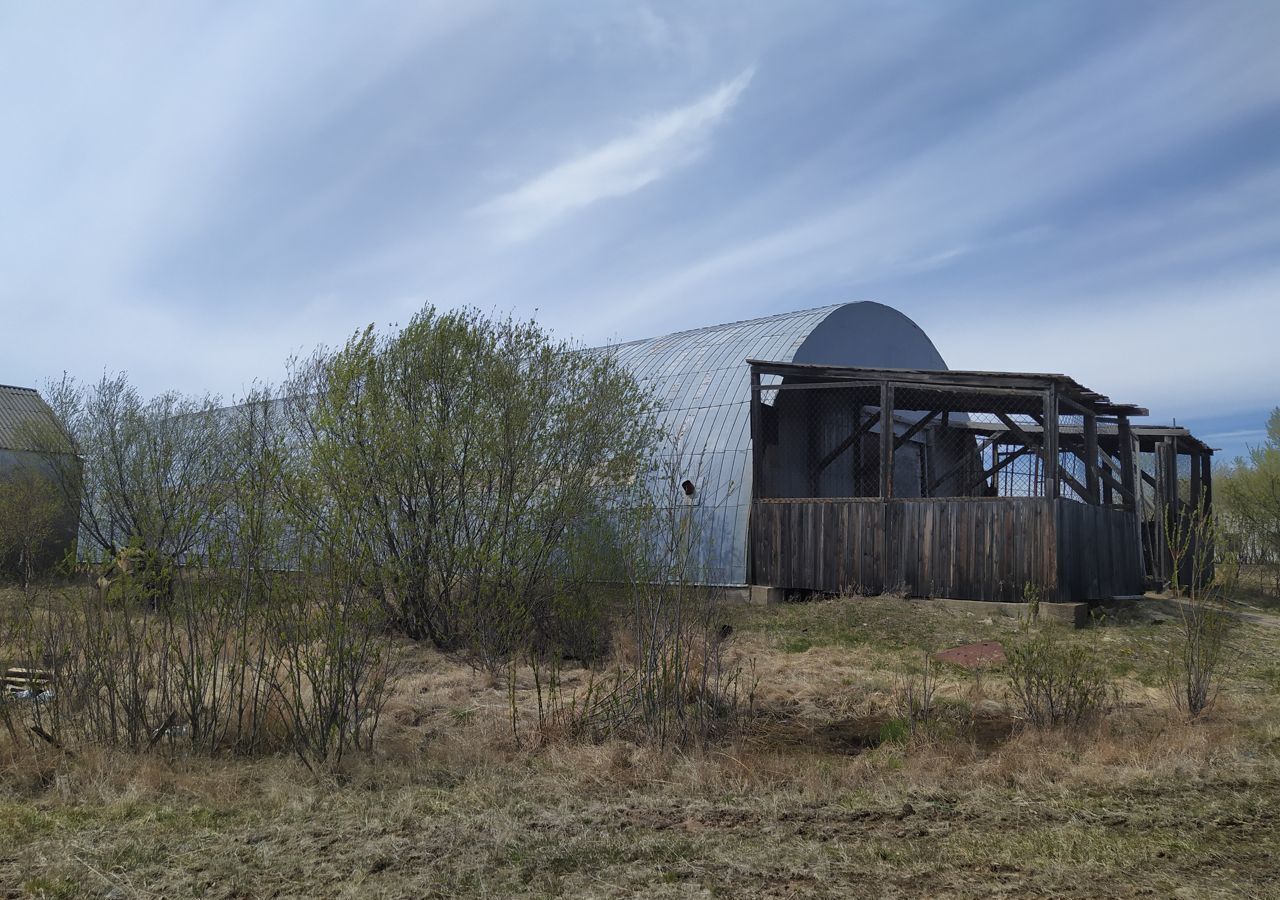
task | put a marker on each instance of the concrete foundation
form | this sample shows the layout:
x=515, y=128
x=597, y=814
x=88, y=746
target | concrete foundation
x=1073, y=614
x=762, y=595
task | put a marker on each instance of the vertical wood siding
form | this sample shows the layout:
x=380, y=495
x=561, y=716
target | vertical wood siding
x=970, y=548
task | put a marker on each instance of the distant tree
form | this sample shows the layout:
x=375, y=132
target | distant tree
x=1249, y=497
x=148, y=476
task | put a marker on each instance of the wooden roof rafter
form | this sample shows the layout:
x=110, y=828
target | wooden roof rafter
x=1067, y=388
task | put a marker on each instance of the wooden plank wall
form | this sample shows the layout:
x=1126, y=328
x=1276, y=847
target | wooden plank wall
x=969, y=548
x=1098, y=551
x=846, y=555
x=976, y=549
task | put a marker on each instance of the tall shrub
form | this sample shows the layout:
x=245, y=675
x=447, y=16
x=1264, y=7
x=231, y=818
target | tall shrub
x=148, y=476
x=463, y=450
x=1199, y=646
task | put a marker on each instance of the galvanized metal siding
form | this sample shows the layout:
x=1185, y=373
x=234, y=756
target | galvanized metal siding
x=705, y=387
x=702, y=380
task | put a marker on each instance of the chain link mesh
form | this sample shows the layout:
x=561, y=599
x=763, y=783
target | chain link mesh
x=827, y=440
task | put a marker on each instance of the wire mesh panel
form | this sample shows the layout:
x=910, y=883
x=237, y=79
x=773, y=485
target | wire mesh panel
x=1072, y=459
x=1183, y=464
x=826, y=440
x=818, y=440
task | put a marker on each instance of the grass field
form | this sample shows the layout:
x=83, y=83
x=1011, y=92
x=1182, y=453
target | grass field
x=815, y=796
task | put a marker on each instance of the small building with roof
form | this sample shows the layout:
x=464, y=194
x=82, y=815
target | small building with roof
x=832, y=450
x=29, y=433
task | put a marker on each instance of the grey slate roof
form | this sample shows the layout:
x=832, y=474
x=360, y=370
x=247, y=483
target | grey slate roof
x=702, y=380
x=19, y=408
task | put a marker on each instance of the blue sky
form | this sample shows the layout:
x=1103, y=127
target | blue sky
x=192, y=192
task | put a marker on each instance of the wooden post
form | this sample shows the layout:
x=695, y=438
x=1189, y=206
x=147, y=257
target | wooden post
x=886, y=440
x=1050, y=449
x=1091, y=457
x=1128, y=470
x=1206, y=489
x=757, y=450
x=855, y=452
x=1171, y=473
x=1195, y=498
x=1169, y=514
x=757, y=469
x=995, y=469
x=1206, y=481
x=1129, y=480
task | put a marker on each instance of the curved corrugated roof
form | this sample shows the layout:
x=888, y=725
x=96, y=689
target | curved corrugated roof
x=704, y=384
x=699, y=374
x=21, y=409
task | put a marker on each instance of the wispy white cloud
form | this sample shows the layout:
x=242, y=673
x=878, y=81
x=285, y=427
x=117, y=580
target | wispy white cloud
x=1248, y=435
x=656, y=147
x=197, y=194
x=975, y=187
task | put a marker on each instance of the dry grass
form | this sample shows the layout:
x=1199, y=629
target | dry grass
x=800, y=804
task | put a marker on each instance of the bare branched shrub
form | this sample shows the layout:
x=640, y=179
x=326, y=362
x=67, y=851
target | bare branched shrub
x=673, y=684
x=1032, y=595
x=207, y=673
x=149, y=477
x=913, y=699
x=1200, y=643
x=264, y=641
x=331, y=668
x=1055, y=683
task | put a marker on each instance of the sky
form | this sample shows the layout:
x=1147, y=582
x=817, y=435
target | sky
x=194, y=192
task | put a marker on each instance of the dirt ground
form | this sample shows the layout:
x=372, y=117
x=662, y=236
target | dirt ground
x=820, y=793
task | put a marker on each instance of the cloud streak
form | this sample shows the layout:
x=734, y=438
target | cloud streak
x=194, y=195
x=654, y=149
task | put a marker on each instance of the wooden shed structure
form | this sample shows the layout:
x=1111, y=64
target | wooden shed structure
x=980, y=485
x=26, y=422
x=987, y=485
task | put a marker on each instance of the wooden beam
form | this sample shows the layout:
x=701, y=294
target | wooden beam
x=915, y=429
x=848, y=442
x=757, y=448
x=1019, y=382
x=1050, y=444
x=1196, y=500
x=1128, y=479
x=1167, y=453
x=1108, y=474
x=886, y=440
x=1013, y=426
x=1071, y=482
x=1091, y=458
x=1004, y=461
x=979, y=447
x=1206, y=481
x=1113, y=485
x=1076, y=408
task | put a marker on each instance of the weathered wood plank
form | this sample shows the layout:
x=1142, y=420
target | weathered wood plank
x=979, y=548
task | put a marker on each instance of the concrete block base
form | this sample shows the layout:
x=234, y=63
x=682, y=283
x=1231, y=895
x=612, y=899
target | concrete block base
x=763, y=595
x=1073, y=614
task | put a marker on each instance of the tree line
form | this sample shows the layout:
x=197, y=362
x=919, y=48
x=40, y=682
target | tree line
x=1248, y=499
